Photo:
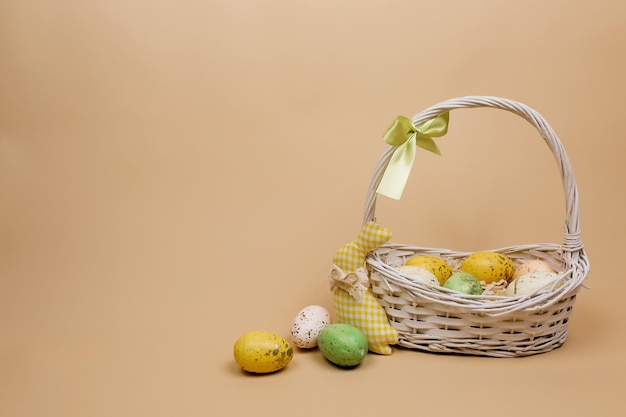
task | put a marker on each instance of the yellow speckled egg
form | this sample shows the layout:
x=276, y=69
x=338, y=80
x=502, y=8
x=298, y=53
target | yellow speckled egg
x=262, y=352
x=488, y=266
x=438, y=266
x=532, y=266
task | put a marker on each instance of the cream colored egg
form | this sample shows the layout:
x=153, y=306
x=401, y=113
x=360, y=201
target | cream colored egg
x=308, y=324
x=418, y=274
x=531, y=266
x=530, y=282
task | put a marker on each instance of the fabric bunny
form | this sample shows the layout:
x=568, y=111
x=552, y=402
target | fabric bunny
x=353, y=303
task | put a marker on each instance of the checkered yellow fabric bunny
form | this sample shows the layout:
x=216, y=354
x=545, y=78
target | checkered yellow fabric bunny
x=354, y=304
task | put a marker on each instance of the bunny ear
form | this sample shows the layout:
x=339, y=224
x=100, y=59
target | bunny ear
x=349, y=257
x=373, y=236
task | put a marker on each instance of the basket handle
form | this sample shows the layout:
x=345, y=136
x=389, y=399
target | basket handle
x=571, y=239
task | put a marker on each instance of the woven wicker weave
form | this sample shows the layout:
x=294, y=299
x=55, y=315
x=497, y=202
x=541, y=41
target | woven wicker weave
x=436, y=319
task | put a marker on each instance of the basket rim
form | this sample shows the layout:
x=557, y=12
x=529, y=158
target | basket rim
x=570, y=278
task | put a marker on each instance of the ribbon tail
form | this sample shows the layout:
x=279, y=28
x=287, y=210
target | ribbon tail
x=397, y=172
x=426, y=142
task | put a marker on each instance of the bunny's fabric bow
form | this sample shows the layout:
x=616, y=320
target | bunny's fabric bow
x=354, y=304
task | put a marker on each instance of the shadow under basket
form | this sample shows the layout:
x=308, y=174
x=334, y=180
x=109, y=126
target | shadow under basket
x=436, y=319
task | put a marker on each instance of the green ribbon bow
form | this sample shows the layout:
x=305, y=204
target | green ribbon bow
x=405, y=136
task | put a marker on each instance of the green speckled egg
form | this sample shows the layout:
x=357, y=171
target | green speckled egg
x=342, y=344
x=465, y=283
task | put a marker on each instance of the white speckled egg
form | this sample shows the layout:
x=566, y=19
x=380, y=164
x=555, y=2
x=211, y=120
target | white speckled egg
x=530, y=282
x=307, y=325
x=418, y=274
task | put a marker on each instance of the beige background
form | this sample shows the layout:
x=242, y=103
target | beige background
x=174, y=174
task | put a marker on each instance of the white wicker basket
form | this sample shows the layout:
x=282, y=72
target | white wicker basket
x=436, y=319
